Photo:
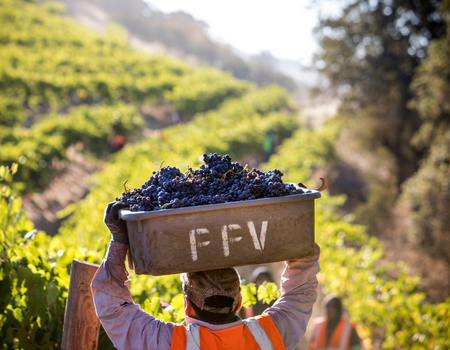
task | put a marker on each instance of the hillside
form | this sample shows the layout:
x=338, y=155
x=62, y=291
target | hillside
x=180, y=35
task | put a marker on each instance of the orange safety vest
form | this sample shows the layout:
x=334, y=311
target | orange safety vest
x=254, y=334
x=340, y=339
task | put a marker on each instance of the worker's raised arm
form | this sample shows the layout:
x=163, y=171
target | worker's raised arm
x=292, y=311
x=126, y=324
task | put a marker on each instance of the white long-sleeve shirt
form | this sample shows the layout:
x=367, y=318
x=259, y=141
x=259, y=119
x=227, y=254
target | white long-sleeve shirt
x=131, y=328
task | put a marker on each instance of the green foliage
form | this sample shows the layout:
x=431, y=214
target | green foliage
x=204, y=89
x=427, y=193
x=116, y=33
x=165, y=287
x=55, y=7
x=268, y=291
x=48, y=63
x=306, y=151
x=248, y=294
x=37, y=148
x=34, y=276
x=369, y=53
x=237, y=127
x=381, y=188
x=431, y=86
x=44, y=68
x=427, y=196
x=11, y=112
x=172, y=313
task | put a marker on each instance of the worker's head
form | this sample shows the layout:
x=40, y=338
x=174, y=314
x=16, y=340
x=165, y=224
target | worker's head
x=333, y=306
x=260, y=275
x=212, y=296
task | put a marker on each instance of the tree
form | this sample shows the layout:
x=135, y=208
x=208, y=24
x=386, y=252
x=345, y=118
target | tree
x=369, y=55
x=427, y=193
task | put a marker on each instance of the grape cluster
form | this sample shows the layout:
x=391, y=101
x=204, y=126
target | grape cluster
x=219, y=180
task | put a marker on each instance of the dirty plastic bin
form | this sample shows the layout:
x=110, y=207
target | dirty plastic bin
x=221, y=235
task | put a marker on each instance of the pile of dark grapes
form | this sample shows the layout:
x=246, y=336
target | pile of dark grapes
x=219, y=180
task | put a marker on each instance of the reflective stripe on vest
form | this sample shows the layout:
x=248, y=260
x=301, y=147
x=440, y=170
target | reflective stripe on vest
x=193, y=337
x=340, y=339
x=260, y=332
x=345, y=338
x=316, y=333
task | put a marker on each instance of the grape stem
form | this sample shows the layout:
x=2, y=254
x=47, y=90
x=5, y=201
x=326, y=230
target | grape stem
x=225, y=175
x=125, y=186
x=245, y=169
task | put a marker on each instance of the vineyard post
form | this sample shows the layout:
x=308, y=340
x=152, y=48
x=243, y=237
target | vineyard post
x=81, y=324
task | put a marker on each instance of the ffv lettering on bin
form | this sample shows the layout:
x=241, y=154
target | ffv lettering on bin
x=258, y=240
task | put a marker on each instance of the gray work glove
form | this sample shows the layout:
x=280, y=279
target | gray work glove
x=116, y=226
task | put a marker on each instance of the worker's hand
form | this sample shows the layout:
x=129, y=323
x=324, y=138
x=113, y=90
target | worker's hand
x=116, y=226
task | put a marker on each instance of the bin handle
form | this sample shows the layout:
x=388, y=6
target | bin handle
x=324, y=184
x=130, y=259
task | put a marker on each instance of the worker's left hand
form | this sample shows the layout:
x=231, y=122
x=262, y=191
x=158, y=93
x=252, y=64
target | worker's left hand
x=116, y=226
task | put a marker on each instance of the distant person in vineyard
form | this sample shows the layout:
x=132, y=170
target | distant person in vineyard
x=334, y=331
x=259, y=276
x=212, y=299
x=118, y=142
x=268, y=145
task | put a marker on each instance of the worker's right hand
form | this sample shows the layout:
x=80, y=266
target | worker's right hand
x=116, y=226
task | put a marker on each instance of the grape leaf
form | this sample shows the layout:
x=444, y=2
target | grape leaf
x=248, y=294
x=155, y=307
x=52, y=292
x=177, y=301
x=17, y=313
x=3, y=171
x=14, y=168
x=267, y=292
x=180, y=316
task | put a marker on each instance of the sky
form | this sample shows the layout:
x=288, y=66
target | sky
x=283, y=27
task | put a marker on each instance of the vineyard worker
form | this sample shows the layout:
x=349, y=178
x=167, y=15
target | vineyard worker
x=212, y=299
x=334, y=331
x=259, y=276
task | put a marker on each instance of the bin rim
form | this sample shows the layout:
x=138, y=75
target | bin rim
x=128, y=215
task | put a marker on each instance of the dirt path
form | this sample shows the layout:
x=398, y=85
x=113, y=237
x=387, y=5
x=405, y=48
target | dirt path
x=434, y=271
x=70, y=187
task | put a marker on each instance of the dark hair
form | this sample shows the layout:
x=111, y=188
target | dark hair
x=218, y=301
x=336, y=302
